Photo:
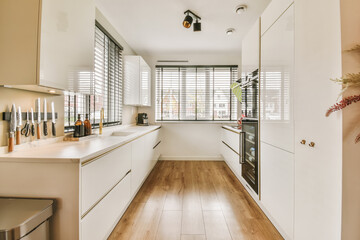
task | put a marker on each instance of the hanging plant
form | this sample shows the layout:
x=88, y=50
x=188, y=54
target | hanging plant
x=351, y=80
x=342, y=104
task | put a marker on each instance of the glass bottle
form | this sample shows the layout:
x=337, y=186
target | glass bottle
x=87, y=125
x=79, y=127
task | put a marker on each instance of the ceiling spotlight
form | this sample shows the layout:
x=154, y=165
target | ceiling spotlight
x=189, y=19
x=230, y=31
x=240, y=9
x=197, y=26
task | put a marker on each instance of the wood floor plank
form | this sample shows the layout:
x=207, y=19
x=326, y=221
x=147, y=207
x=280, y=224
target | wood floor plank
x=169, y=226
x=192, y=222
x=209, y=200
x=193, y=201
x=193, y=237
x=215, y=226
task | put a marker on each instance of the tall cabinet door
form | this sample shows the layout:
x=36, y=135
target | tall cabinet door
x=318, y=169
x=277, y=121
x=276, y=84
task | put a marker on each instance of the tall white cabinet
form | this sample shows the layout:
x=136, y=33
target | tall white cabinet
x=318, y=169
x=301, y=149
x=137, y=81
x=277, y=119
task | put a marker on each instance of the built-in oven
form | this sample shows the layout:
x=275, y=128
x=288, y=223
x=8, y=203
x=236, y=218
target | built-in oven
x=249, y=157
x=250, y=95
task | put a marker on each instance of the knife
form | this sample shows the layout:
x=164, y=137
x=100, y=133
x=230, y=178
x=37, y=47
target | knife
x=12, y=128
x=37, y=109
x=53, y=120
x=45, y=118
x=18, y=127
x=32, y=123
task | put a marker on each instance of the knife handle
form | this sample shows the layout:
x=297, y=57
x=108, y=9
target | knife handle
x=32, y=130
x=38, y=131
x=45, y=129
x=18, y=136
x=11, y=143
x=53, y=129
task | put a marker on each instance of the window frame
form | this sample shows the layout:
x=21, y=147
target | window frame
x=213, y=105
x=90, y=108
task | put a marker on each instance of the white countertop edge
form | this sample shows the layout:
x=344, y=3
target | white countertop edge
x=232, y=129
x=16, y=155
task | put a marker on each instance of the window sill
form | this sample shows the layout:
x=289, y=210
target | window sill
x=196, y=122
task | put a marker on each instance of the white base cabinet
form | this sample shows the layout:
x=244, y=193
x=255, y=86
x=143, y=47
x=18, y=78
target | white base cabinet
x=230, y=150
x=101, y=220
x=109, y=182
x=99, y=177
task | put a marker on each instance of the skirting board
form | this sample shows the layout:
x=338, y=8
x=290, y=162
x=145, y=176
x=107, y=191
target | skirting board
x=191, y=158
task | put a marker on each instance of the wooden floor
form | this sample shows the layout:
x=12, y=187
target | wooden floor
x=193, y=201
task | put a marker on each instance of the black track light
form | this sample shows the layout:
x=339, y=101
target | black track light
x=189, y=18
x=187, y=21
x=197, y=26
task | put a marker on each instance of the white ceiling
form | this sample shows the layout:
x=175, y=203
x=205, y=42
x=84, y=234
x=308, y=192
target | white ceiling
x=155, y=26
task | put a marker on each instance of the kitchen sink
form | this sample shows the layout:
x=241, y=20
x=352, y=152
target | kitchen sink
x=121, y=134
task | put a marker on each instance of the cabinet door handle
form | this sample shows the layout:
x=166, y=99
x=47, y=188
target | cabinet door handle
x=303, y=142
x=242, y=153
x=312, y=144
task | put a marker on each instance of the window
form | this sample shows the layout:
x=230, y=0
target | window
x=195, y=93
x=103, y=90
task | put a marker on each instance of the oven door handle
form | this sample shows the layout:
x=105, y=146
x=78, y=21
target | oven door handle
x=242, y=148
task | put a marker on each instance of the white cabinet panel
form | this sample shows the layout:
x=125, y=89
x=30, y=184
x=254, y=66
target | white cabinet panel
x=318, y=170
x=273, y=12
x=137, y=81
x=231, y=138
x=137, y=165
x=232, y=159
x=67, y=43
x=277, y=83
x=131, y=80
x=251, y=50
x=145, y=83
x=277, y=185
x=52, y=43
x=98, y=177
x=101, y=220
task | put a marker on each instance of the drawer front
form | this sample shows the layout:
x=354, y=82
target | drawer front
x=232, y=159
x=98, y=177
x=100, y=221
x=232, y=139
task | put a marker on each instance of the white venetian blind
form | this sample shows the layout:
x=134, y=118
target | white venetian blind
x=195, y=93
x=104, y=91
x=108, y=78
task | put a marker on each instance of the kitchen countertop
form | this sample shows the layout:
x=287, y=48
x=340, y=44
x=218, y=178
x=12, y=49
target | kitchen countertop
x=232, y=128
x=77, y=152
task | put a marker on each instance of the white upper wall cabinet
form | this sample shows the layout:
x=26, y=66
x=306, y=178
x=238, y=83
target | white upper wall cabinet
x=251, y=50
x=46, y=43
x=137, y=81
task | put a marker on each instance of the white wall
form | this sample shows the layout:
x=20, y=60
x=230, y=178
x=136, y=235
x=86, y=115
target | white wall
x=193, y=140
x=129, y=113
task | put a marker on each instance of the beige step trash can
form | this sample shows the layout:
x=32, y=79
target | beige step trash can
x=25, y=219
